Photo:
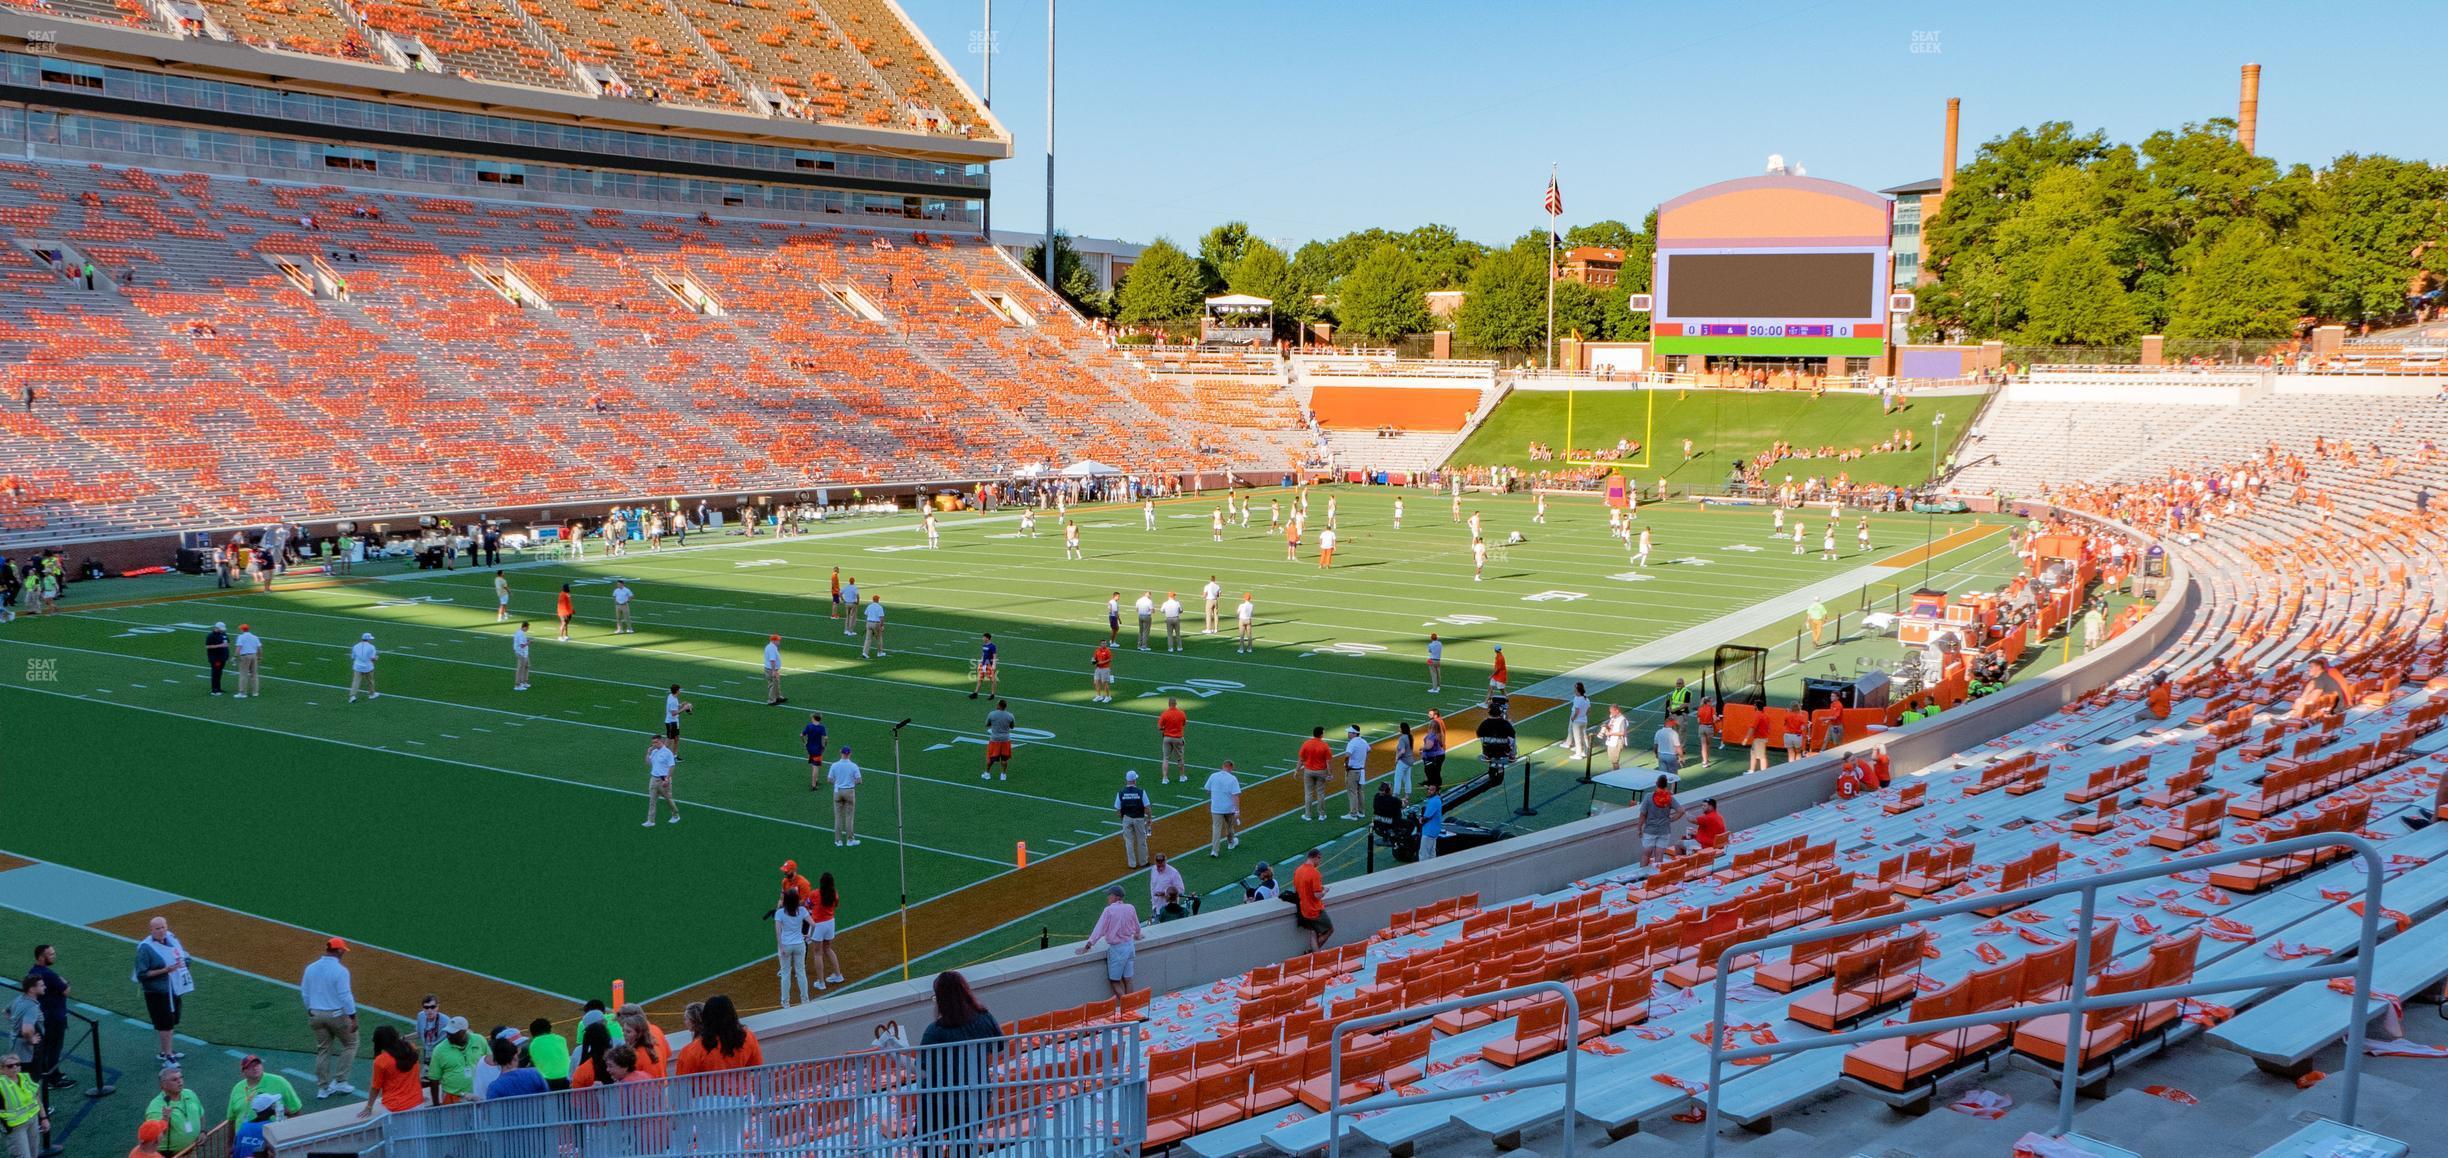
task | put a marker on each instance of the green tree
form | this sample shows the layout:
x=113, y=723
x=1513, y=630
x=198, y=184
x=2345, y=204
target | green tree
x=1380, y=299
x=1073, y=281
x=2245, y=287
x=1164, y=287
x=2378, y=229
x=1506, y=308
x=1611, y=234
x=1443, y=258
x=1580, y=310
x=1264, y=271
x=1221, y=249
x=1617, y=322
x=2079, y=301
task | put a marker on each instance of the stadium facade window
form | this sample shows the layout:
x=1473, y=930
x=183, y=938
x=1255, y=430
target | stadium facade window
x=475, y=128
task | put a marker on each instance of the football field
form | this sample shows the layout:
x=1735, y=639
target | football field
x=487, y=843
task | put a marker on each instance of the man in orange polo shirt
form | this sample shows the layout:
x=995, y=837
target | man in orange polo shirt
x=792, y=881
x=1169, y=725
x=1496, y=671
x=1314, y=756
x=1309, y=885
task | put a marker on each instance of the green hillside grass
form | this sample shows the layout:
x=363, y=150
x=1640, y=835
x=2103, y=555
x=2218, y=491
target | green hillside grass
x=1725, y=426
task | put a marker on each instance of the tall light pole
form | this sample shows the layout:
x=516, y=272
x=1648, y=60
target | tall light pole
x=1049, y=222
x=1929, y=534
x=901, y=846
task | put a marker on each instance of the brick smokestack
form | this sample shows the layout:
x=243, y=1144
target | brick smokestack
x=1946, y=175
x=2248, y=107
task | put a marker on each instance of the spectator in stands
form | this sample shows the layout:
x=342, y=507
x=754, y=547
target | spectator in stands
x=1262, y=885
x=1309, y=887
x=967, y=1041
x=723, y=1044
x=399, y=1074
x=452, y=1063
x=254, y=1082
x=594, y=1047
x=1165, y=887
x=1117, y=928
x=247, y=1138
x=1709, y=828
x=2324, y=690
x=179, y=1107
x=1658, y=816
x=518, y=1076
x=149, y=1134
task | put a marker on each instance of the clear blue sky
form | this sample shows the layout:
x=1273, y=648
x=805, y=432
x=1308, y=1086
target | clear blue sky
x=1312, y=119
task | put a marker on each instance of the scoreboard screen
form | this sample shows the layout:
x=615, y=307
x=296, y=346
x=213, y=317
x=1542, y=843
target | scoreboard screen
x=1773, y=285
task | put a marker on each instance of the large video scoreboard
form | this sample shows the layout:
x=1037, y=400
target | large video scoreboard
x=1772, y=267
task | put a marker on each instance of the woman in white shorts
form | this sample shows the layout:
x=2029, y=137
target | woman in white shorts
x=826, y=965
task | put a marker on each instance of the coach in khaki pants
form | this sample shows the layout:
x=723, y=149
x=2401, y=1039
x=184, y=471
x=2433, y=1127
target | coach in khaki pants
x=1131, y=807
x=1355, y=773
x=845, y=776
x=331, y=1011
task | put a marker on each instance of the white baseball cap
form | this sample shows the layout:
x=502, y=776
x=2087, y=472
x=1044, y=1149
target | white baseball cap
x=368, y=637
x=1132, y=776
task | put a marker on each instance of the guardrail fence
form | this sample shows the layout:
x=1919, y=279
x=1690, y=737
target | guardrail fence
x=1074, y=1093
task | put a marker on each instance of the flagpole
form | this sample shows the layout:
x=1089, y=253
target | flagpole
x=1551, y=267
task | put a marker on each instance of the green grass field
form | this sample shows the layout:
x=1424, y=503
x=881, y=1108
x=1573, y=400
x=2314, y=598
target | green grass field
x=1726, y=427
x=497, y=834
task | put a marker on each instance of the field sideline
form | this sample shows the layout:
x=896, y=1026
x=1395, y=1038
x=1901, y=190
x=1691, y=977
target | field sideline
x=459, y=830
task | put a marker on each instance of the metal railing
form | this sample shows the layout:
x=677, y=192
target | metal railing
x=1571, y=1079
x=1072, y=1093
x=54, y=1141
x=2078, y=1001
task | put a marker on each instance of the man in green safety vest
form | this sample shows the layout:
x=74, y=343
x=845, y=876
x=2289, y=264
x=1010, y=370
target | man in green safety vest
x=22, y=1117
x=1678, y=699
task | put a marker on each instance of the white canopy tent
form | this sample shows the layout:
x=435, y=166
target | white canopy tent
x=1238, y=319
x=1088, y=468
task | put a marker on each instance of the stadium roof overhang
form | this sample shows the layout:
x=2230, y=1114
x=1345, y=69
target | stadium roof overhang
x=219, y=60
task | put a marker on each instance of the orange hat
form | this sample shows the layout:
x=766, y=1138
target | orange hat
x=790, y=866
x=336, y=944
x=152, y=1130
x=773, y=638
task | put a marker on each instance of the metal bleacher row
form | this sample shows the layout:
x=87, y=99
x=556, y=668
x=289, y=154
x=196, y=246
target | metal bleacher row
x=852, y=62
x=1240, y=1066
x=200, y=382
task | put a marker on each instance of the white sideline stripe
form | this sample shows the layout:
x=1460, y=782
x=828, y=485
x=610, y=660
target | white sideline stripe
x=1625, y=666
x=483, y=768
x=289, y=985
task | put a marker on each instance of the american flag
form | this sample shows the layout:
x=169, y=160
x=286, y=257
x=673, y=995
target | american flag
x=1555, y=198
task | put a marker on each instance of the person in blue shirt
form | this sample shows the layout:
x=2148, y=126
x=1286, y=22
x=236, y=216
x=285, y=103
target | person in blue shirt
x=248, y=1140
x=985, y=668
x=814, y=735
x=1432, y=824
x=519, y=1077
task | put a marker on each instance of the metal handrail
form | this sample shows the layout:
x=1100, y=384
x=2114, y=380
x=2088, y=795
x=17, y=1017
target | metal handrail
x=1572, y=1061
x=2078, y=1002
